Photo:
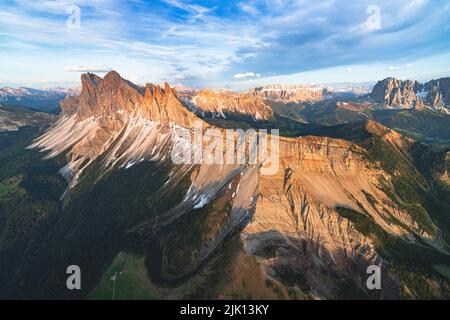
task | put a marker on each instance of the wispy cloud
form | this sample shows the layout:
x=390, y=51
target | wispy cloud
x=247, y=75
x=202, y=44
x=197, y=11
x=87, y=69
x=248, y=7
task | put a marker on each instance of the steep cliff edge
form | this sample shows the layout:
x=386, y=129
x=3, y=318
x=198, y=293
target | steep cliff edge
x=286, y=93
x=226, y=104
x=409, y=94
x=397, y=93
x=302, y=222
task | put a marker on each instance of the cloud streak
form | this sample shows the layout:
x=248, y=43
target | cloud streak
x=87, y=69
x=247, y=75
x=202, y=44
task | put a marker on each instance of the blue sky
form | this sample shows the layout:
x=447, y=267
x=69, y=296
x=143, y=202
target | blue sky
x=223, y=44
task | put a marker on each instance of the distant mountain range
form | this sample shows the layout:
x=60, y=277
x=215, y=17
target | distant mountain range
x=98, y=189
x=390, y=93
x=226, y=104
x=307, y=93
x=401, y=105
x=42, y=100
x=290, y=93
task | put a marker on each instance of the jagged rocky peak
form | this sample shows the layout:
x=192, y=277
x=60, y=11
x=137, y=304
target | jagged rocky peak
x=407, y=94
x=155, y=91
x=297, y=207
x=113, y=96
x=88, y=79
x=437, y=93
x=397, y=93
x=162, y=105
x=100, y=97
x=69, y=105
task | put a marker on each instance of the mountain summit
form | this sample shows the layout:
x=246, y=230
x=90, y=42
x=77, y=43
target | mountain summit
x=408, y=94
x=334, y=205
x=115, y=96
x=114, y=117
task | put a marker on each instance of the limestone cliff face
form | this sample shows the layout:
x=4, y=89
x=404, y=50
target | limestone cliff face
x=397, y=93
x=112, y=111
x=325, y=174
x=286, y=93
x=126, y=124
x=295, y=210
x=163, y=106
x=438, y=94
x=294, y=214
x=69, y=105
x=116, y=98
x=226, y=104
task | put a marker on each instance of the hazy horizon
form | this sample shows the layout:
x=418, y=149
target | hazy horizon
x=268, y=81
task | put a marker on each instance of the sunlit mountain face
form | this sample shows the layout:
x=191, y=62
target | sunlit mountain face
x=281, y=150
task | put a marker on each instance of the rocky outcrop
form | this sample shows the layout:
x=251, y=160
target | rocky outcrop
x=69, y=105
x=112, y=111
x=408, y=94
x=437, y=94
x=37, y=99
x=226, y=104
x=295, y=209
x=113, y=119
x=116, y=98
x=397, y=93
x=289, y=93
x=163, y=106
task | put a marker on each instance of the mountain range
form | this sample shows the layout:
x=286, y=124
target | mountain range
x=98, y=189
x=307, y=93
x=42, y=100
x=409, y=94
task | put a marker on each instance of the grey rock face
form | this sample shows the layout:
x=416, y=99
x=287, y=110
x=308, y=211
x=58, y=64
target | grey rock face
x=438, y=93
x=398, y=94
